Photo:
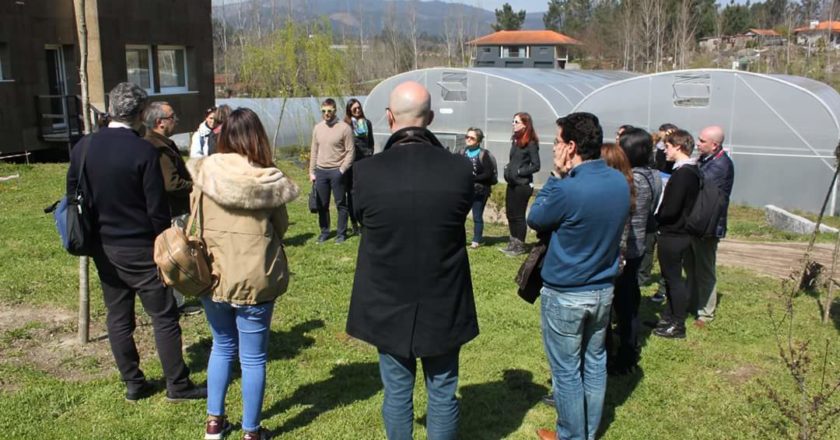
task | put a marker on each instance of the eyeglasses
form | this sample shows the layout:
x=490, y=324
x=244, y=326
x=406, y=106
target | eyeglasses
x=327, y=110
x=173, y=117
x=472, y=138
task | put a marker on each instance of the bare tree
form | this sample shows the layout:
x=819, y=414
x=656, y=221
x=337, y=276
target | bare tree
x=686, y=25
x=84, y=262
x=412, y=28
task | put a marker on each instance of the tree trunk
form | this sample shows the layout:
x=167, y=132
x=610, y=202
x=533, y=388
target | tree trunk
x=84, y=285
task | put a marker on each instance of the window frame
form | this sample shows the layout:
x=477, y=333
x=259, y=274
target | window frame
x=148, y=48
x=504, y=51
x=174, y=89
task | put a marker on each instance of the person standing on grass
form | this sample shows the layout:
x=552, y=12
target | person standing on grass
x=330, y=156
x=717, y=168
x=412, y=293
x=363, y=145
x=483, y=170
x=160, y=120
x=242, y=199
x=523, y=162
x=585, y=213
x=126, y=187
x=674, y=240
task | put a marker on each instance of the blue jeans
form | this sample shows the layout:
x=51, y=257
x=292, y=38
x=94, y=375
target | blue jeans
x=442, y=412
x=243, y=332
x=574, y=325
x=479, y=201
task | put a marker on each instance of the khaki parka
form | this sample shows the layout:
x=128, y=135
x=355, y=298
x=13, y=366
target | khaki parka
x=243, y=217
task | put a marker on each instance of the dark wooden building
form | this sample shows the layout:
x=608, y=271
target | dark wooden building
x=165, y=46
x=545, y=49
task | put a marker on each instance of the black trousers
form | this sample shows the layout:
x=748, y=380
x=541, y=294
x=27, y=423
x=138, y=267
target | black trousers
x=327, y=181
x=125, y=272
x=626, y=305
x=672, y=254
x=516, y=202
x=348, y=189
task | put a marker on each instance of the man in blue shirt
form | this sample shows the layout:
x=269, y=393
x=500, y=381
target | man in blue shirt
x=584, y=212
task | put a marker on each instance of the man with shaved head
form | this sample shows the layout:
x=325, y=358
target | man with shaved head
x=412, y=294
x=717, y=168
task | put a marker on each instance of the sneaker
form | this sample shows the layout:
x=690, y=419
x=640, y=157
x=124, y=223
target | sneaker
x=190, y=310
x=216, y=427
x=191, y=393
x=658, y=297
x=672, y=331
x=322, y=238
x=340, y=239
x=260, y=434
x=144, y=390
x=474, y=245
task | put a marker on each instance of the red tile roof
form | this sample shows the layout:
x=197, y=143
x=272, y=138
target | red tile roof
x=766, y=32
x=822, y=26
x=524, y=38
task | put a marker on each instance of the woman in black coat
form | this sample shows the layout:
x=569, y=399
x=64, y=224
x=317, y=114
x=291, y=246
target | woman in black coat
x=523, y=162
x=354, y=116
x=482, y=167
x=674, y=240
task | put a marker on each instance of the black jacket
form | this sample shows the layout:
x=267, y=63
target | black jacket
x=363, y=144
x=718, y=168
x=522, y=163
x=482, y=171
x=125, y=186
x=677, y=200
x=412, y=293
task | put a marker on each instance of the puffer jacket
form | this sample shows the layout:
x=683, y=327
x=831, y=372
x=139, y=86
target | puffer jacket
x=648, y=187
x=243, y=216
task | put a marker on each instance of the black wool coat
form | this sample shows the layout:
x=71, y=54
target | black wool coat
x=412, y=293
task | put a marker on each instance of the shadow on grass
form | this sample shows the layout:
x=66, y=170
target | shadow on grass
x=298, y=240
x=496, y=409
x=281, y=345
x=348, y=384
x=619, y=389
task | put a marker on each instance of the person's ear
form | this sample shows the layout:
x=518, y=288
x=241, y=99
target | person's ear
x=430, y=118
x=389, y=117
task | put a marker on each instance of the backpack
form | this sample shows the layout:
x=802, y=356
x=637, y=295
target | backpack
x=495, y=178
x=703, y=219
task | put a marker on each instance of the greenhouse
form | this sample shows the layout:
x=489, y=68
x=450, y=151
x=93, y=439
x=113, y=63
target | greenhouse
x=781, y=130
x=487, y=98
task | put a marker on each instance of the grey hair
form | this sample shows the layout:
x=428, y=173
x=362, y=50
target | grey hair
x=478, y=133
x=127, y=101
x=153, y=112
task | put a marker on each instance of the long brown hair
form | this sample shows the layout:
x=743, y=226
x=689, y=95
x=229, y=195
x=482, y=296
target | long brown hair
x=243, y=133
x=349, y=114
x=614, y=156
x=527, y=134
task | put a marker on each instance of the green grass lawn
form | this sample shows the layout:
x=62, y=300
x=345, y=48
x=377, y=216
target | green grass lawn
x=323, y=385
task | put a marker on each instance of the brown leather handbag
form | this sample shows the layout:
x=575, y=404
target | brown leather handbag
x=182, y=258
x=528, y=277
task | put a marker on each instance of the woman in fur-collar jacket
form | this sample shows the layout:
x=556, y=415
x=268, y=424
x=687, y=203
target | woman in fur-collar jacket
x=242, y=213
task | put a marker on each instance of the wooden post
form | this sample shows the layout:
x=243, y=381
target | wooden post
x=84, y=285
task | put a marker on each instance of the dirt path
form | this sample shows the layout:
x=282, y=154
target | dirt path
x=772, y=259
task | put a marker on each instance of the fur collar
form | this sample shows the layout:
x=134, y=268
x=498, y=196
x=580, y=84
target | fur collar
x=231, y=181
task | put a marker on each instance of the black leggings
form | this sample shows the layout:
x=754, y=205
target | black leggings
x=626, y=306
x=672, y=252
x=516, y=202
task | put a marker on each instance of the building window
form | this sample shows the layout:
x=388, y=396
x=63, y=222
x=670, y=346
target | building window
x=138, y=62
x=172, y=68
x=5, y=73
x=514, y=51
